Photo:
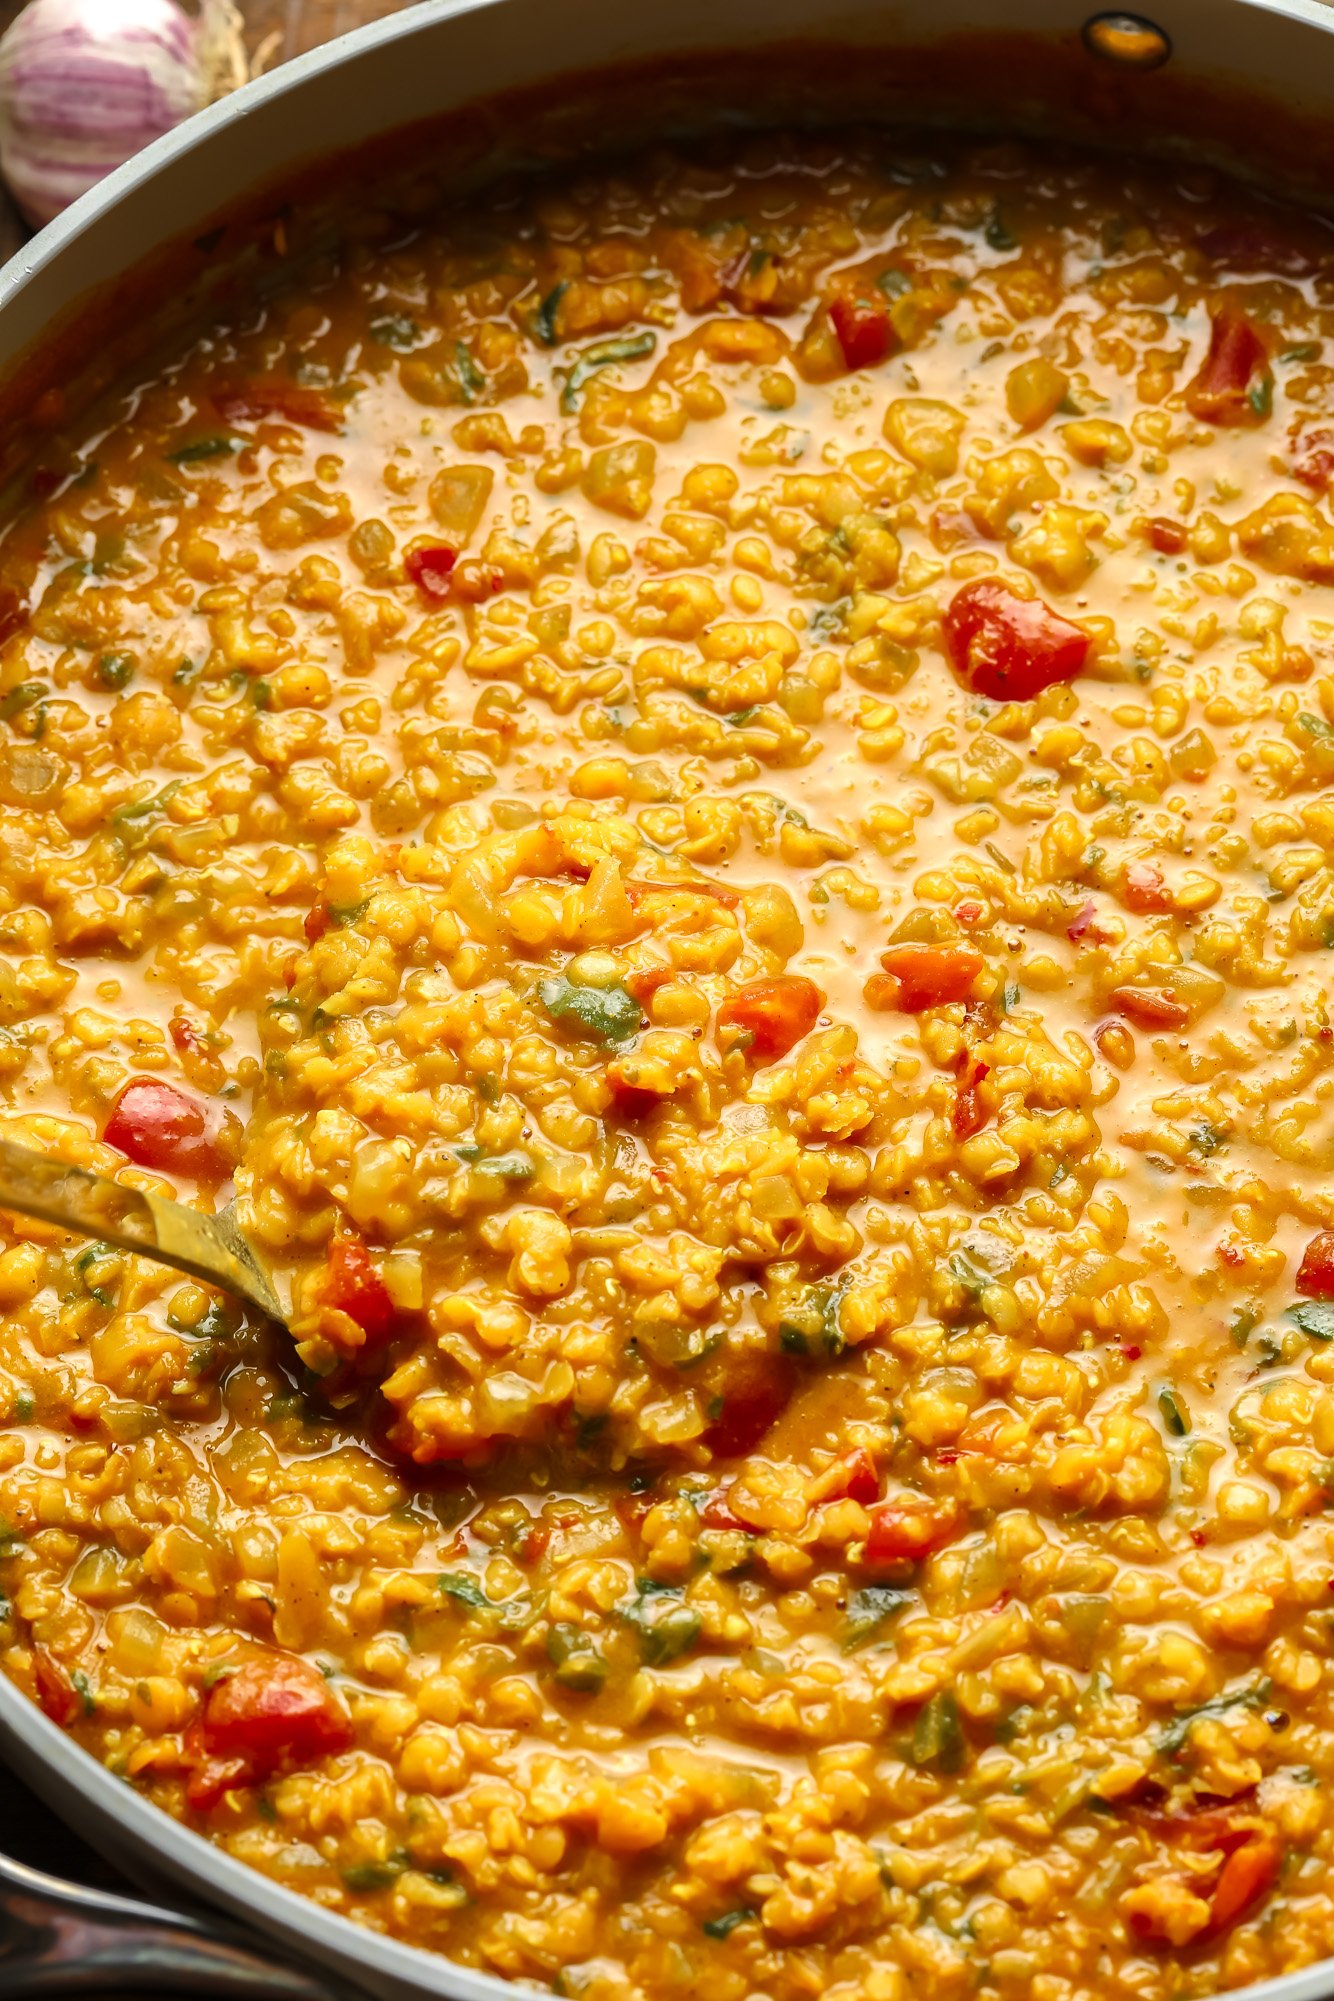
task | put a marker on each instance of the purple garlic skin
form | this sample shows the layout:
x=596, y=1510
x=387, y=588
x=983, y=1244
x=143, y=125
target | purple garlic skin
x=84, y=85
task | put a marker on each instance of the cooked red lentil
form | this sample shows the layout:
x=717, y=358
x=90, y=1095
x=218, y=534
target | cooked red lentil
x=710, y=787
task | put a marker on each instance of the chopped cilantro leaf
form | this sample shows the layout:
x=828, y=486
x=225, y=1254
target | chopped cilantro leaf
x=465, y=1589
x=610, y=1013
x=544, y=319
x=1315, y=1317
x=628, y=347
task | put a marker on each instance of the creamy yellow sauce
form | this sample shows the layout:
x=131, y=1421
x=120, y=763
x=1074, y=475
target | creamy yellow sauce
x=775, y=1483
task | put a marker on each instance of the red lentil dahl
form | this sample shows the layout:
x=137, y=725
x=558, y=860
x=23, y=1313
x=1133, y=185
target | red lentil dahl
x=708, y=786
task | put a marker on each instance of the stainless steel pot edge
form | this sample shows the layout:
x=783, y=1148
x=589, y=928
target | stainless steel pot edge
x=158, y=1854
x=153, y=199
x=90, y=214
x=60, y=1938
x=539, y=40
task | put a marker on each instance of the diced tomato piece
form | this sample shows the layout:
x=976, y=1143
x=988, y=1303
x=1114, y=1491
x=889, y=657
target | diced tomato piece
x=1233, y=382
x=1313, y=458
x=917, y=977
x=1143, y=888
x=248, y=402
x=1315, y=1273
x=904, y=1531
x=1232, y=243
x=316, y=922
x=1203, y=1828
x=775, y=1014
x=865, y=331
x=1166, y=536
x=354, y=1286
x=1246, y=245
x=857, y=1478
x=209, y=1778
x=1082, y=922
x=56, y=1693
x=1010, y=648
x=530, y=1545
x=185, y=1036
x=160, y=1127
x=633, y=1509
x=275, y=1710
x=400, y=1440
x=637, y=1087
x=969, y=1114
x=1149, y=1927
x=716, y=1513
x=644, y=985
x=431, y=569
x=631, y=1100
x=213, y=1777
x=750, y=1408
x=274, y=1707
x=1150, y=1007
x=1248, y=1874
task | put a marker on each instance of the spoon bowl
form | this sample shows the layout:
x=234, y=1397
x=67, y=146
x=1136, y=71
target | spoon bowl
x=211, y=1248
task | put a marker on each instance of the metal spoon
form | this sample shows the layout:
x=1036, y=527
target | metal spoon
x=207, y=1247
x=64, y=1938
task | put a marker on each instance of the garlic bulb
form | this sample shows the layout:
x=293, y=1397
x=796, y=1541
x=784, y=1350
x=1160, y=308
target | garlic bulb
x=85, y=83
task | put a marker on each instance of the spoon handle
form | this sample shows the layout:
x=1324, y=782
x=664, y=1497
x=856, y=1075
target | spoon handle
x=59, y=1938
x=207, y=1247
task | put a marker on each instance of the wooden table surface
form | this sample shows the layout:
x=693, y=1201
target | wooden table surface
x=282, y=28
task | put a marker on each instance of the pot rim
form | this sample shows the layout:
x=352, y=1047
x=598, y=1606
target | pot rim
x=109, y=1809
x=35, y=1743
x=91, y=209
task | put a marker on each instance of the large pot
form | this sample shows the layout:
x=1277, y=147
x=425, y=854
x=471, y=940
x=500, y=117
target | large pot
x=1250, y=81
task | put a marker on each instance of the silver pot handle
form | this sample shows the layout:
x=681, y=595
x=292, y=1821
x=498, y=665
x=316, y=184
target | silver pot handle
x=59, y=1938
